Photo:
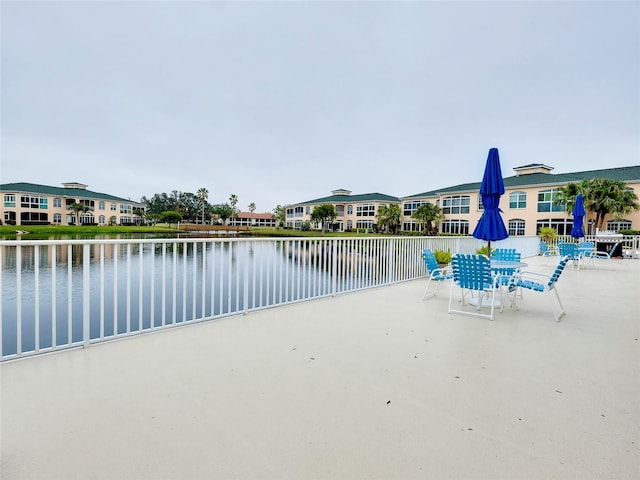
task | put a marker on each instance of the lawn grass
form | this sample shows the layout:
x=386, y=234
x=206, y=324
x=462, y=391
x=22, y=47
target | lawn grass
x=10, y=232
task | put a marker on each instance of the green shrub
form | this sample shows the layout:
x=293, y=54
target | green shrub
x=547, y=234
x=443, y=258
x=484, y=250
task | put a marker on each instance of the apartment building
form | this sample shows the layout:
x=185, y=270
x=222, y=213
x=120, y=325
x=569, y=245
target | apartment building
x=251, y=219
x=33, y=204
x=353, y=211
x=527, y=205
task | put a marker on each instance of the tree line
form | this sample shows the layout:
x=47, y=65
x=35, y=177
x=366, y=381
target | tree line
x=191, y=207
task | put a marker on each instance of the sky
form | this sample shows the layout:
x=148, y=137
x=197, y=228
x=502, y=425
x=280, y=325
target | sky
x=282, y=102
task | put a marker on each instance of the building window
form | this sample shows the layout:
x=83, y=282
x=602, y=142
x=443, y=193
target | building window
x=126, y=220
x=101, y=217
x=547, y=201
x=516, y=227
x=126, y=209
x=456, y=204
x=9, y=200
x=617, y=225
x=57, y=218
x=409, y=207
x=459, y=227
x=349, y=225
x=562, y=226
x=518, y=200
x=30, y=201
x=411, y=227
x=480, y=203
x=364, y=224
x=307, y=210
x=365, y=210
x=101, y=205
x=298, y=211
x=349, y=209
x=339, y=210
x=86, y=218
x=113, y=207
x=40, y=217
x=57, y=203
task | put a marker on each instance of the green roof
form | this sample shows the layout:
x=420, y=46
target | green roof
x=59, y=191
x=625, y=174
x=364, y=197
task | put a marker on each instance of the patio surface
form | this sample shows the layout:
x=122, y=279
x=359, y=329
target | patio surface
x=369, y=385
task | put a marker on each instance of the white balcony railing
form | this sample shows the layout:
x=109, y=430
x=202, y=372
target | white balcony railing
x=58, y=294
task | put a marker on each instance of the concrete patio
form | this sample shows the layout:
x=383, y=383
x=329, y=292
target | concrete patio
x=370, y=385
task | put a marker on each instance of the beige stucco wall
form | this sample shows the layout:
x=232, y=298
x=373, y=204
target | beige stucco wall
x=529, y=214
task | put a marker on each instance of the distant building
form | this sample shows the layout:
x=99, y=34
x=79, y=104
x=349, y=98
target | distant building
x=353, y=211
x=32, y=204
x=249, y=219
x=527, y=205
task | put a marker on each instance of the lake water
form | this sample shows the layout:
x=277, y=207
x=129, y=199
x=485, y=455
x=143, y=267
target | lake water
x=129, y=287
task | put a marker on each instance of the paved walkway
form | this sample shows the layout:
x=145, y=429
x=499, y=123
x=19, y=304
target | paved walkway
x=370, y=385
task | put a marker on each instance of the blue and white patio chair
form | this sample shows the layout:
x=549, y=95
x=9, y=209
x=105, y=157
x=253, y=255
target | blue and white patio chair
x=542, y=283
x=585, y=249
x=507, y=255
x=597, y=255
x=546, y=250
x=473, y=276
x=437, y=274
x=567, y=249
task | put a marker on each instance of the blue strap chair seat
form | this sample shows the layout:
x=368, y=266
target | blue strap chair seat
x=505, y=254
x=542, y=283
x=473, y=276
x=436, y=273
x=571, y=250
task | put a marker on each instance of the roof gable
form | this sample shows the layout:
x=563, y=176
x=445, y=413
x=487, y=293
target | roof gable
x=24, y=187
x=625, y=174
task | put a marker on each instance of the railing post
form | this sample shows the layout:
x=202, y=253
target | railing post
x=245, y=297
x=391, y=255
x=334, y=266
x=86, y=293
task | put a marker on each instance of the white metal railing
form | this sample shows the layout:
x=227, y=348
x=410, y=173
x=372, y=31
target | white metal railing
x=629, y=242
x=57, y=294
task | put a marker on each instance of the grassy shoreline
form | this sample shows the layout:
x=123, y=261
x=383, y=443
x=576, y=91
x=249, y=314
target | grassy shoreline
x=11, y=232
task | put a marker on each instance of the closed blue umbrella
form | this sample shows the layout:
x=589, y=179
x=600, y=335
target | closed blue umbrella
x=578, y=217
x=490, y=227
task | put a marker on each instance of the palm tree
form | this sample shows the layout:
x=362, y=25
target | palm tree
x=233, y=200
x=78, y=208
x=203, y=195
x=139, y=213
x=389, y=216
x=427, y=214
x=602, y=196
x=567, y=194
x=252, y=207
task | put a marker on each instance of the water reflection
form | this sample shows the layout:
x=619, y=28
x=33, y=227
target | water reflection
x=128, y=287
